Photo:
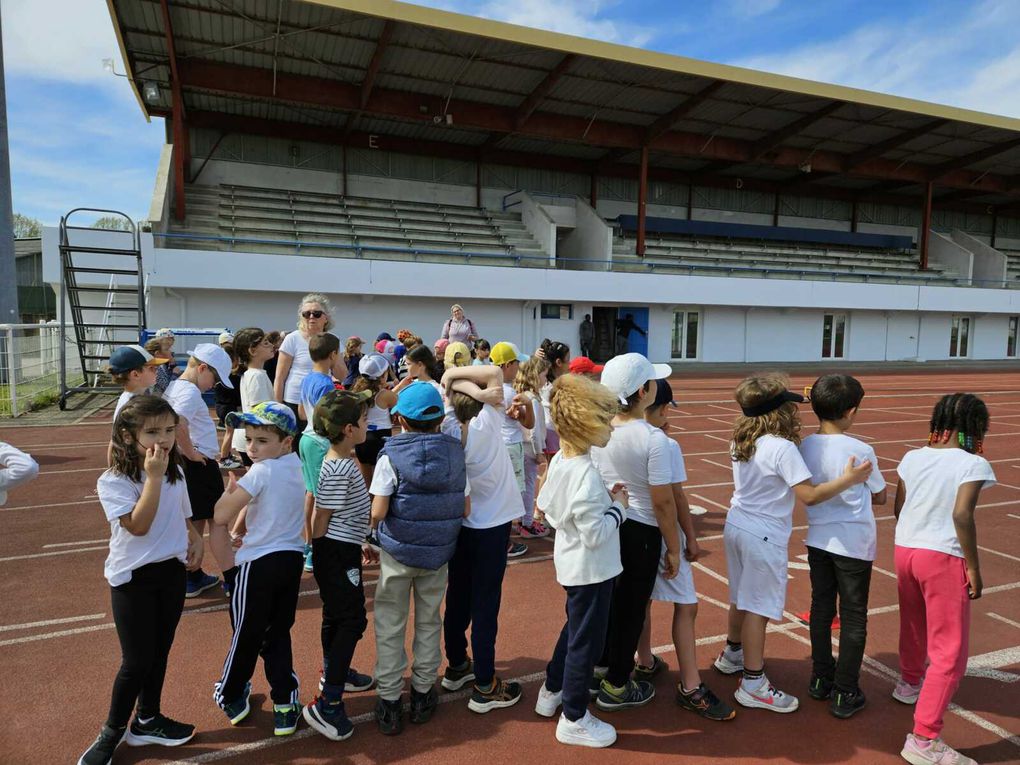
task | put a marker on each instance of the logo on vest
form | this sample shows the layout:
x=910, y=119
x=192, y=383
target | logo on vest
x=354, y=575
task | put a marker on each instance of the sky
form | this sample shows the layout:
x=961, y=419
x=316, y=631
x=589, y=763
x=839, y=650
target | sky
x=78, y=138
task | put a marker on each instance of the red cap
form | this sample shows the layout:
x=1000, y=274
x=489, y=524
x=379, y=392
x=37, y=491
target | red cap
x=581, y=365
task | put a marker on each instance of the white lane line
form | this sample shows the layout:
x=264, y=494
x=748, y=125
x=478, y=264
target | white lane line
x=717, y=438
x=52, y=553
x=989, y=664
x=883, y=571
x=76, y=544
x=1013, y=515
x=51, y=622
x=996, y=552
x=48, y=506
x=1001, y=504
x=720, y=505
x=718, y=464
x=1004, y=620
x=75, y=470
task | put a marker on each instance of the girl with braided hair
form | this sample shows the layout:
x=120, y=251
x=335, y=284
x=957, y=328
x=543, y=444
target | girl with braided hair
x=937, y=570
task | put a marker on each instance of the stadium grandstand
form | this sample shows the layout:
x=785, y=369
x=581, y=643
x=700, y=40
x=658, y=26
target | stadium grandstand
x=402, y=158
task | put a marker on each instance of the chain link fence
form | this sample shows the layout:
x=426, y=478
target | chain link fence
x=30, y=366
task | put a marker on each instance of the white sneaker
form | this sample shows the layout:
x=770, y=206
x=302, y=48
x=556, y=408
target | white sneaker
x=730, y=662
x=905, y=693
x=766, y=696
x=936, y=752
x=548, y=702
x=589, y=731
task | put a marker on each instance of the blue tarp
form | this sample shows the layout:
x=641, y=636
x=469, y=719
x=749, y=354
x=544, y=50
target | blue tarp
x=771, y=233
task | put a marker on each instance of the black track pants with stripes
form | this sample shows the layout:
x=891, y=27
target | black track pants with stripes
x=262, y=610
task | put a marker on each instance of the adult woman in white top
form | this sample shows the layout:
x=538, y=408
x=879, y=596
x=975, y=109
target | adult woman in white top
x=459, y=328
x=315, y=315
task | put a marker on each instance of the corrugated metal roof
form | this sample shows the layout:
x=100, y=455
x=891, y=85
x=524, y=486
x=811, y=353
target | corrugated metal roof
x=478, y=64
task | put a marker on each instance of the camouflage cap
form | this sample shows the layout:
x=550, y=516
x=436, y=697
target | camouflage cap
x=336, y=410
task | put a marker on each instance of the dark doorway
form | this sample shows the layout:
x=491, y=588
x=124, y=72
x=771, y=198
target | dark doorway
x=604, y=345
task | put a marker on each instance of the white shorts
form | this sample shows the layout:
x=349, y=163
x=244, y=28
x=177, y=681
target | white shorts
x=757, y=573
x=679, y=589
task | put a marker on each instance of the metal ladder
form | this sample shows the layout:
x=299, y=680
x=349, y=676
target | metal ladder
x=106, y=302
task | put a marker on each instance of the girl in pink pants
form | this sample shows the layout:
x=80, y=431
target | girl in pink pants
x=937, y=568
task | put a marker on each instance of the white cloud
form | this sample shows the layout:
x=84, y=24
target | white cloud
x=752, y=8
x=58, y=39
x=970, y=60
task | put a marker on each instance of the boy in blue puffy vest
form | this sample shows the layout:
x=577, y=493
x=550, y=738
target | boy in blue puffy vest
x=419, y=494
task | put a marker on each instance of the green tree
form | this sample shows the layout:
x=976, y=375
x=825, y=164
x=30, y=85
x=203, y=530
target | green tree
x=112, y=223
x=26, y=228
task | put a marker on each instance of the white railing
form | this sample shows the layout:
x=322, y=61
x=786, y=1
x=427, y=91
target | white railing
x=30, y=366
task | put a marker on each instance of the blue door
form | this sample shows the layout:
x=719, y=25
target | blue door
x=637, y=341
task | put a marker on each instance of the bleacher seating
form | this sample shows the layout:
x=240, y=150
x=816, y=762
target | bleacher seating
x=1012, y=264
x=283, y=221
x=676, y=253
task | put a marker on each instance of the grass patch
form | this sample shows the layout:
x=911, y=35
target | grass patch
x=32, y=395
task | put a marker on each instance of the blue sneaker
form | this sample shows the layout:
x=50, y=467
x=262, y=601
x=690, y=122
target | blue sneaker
x=196, y=587
x=237, y=710
x=285, y=718
x=308, y=558
x=329, y=719
x=355, y=683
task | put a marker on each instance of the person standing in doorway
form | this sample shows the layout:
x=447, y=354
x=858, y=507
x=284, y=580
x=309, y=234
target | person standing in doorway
x=586, y=333
x=624, y=327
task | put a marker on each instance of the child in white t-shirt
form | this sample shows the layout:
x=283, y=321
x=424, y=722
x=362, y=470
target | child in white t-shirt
x=586, y=553
x=691, y=694
x=937, y=567
x=769, y=475
x=841, y=545
x=16, y=467
x=134, y=369
x=145, y=500
x=269, y=561
x=527, y=385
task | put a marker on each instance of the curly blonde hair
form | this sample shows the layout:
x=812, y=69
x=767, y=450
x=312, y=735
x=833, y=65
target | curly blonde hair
x=530, y=374
x=323, y=301
x=580, y=408
x=783, y=422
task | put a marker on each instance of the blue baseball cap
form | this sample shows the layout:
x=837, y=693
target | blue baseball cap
x=419, y=401
x=266, y=413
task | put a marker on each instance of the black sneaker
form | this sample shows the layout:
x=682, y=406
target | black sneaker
x=641, y=672
x=456, y=678
x=389, y=715
x=329, y=719
x=285, y=718
x=597, y=675
x=101, y=751
x=423, y=705
x=500, y=694
x=847, y=703
x=705, y=703
x=820, y=687
x=159, y=730
x=633, y=694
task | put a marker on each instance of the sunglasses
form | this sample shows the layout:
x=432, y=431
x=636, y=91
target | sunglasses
x=312, y=314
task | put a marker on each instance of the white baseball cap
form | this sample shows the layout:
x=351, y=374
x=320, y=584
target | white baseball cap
x=215, y=357
x=624, y=375
x=373, y=366
x=225, y=337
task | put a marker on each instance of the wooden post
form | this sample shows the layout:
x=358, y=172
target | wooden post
x=925, y=226
x=180, y=157
x=642, y=201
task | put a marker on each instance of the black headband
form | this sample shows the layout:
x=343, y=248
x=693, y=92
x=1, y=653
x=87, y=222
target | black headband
x=772, y=404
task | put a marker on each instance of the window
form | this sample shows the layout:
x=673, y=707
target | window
x=685, y=334
x=557, y=311
x=1014, y=321
x=959, y=337
x=833, y=335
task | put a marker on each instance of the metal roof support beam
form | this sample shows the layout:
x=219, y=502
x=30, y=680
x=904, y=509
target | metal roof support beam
x=530, y=104
x=857, y=159
x=973, y=158
x=667, y=121
x=182, y=149
x=642, y=201
x=373, y=65
x=925, y=227
x=332, y=94
x=763, y=146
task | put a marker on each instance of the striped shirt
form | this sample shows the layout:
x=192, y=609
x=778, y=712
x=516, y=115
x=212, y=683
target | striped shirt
x=342, y=492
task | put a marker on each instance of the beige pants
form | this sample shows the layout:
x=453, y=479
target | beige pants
x=391, y=607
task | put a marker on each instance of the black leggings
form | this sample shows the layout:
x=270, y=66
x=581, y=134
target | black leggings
x=145, y=611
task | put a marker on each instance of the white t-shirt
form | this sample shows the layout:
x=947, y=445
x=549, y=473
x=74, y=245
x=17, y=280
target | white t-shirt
x=167, y=536
x=637, y=455
x=546, y=393
x=932, y=478
x=296, y=345
x=16, y=467
x=384, y=479
x=512, y=431
x=586, y=549
x=379, y=418
x=342, y=491
x=763, y=499
x=276, y=512
x=495, y=498
x=677, y=468
x=845, y=524
x=534, y=444
x=255, y=387
x=186, y=399
x=124, y=398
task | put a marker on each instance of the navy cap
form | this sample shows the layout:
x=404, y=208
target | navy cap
x=663, y=393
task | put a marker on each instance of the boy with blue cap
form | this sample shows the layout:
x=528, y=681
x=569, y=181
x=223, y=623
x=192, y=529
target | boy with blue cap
x=419, y=492
x=269, y=562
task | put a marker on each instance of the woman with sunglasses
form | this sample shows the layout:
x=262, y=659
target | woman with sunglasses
x=314, y=316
